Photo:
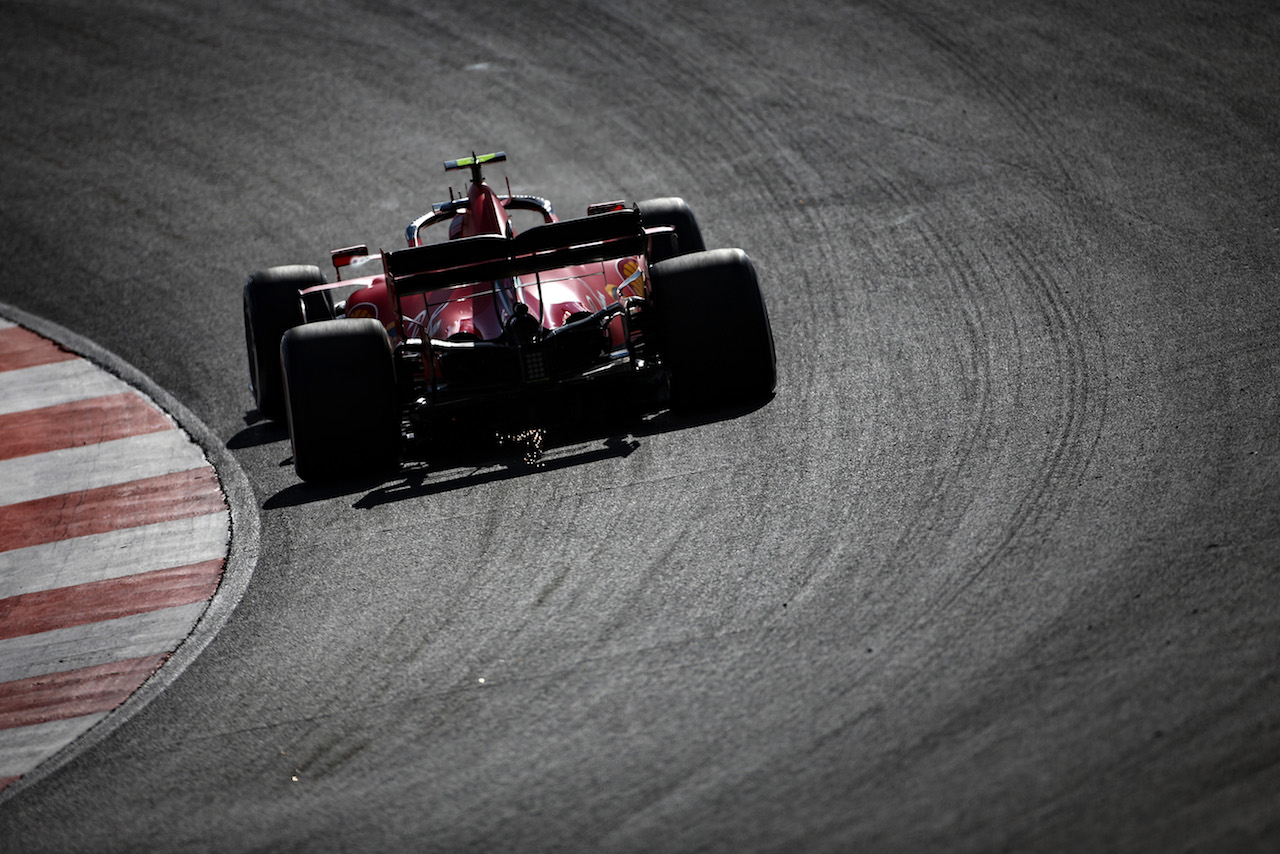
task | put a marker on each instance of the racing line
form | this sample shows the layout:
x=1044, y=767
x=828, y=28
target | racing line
x=114, y=534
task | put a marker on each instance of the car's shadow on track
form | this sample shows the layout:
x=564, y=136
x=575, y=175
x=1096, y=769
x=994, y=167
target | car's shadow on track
x=419, y=481
x=487, y=461
x=258, y=431
x=419, y=478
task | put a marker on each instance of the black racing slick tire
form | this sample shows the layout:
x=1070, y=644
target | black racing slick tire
x=676, y=213
x=713, y=330
x=342, y=400
x=273, y=306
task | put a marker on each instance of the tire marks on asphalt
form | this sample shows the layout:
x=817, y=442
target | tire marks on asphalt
x=113, y=538
x=998, y=312
x=1028, y=362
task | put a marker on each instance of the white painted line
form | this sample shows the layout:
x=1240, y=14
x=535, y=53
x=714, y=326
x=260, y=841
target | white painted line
x=6, y=324
x=60, y=382
x=115, y=554
x=23, y=748
x=91, y=466
x=103, y=642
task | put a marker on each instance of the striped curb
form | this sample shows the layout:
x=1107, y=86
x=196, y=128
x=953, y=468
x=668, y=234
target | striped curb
x=114, y=537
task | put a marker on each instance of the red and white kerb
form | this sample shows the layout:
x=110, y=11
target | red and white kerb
x=113, y=535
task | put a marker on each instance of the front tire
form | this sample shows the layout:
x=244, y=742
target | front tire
x=676, y=213
x=713, y=330
x=273, y=306
x=342, y=400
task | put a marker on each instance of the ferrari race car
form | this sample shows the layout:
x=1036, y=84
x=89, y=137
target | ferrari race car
x=496, y=331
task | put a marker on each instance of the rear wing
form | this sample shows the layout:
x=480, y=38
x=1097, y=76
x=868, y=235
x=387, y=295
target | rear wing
x=492, y=257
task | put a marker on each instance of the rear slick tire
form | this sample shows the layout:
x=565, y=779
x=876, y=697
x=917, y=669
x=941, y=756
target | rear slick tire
x=714, y=336
x=342, y=400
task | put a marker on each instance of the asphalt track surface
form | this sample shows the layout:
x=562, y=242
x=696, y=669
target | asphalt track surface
x=996, y=570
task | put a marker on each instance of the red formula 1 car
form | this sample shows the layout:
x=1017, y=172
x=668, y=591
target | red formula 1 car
x=493, y=330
